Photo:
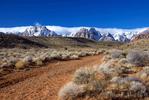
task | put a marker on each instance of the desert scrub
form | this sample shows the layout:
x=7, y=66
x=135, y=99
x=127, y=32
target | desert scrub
x=138, y=58
x=106, y=58
x=70, y=91
x=82, y=54
x=44, y=57
x=64, y=57
x=143, y=74
x=117, y=54
x=123, y=61
x=5, y=65
x=28, y=59
x=90, y=78
x=91, y=53
x=38, y=61
x=112, y=68
x=73, y=57
x=84, y=76
x=100, y=51
x=85, y=82
x=20, y=64
x=125, y=88
x=54, y=55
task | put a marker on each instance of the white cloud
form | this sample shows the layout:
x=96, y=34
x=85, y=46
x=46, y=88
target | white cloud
x=14, y=29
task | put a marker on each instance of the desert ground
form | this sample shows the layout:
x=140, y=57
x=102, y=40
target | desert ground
x=73, y=69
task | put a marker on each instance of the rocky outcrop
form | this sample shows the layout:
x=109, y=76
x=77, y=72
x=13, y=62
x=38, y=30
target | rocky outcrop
x=89, y=34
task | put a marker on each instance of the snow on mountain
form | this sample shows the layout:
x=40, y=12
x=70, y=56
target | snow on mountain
x=91, y=33
x=118, y=34
x=38, y=31
x=143, y=35
x=107, y=37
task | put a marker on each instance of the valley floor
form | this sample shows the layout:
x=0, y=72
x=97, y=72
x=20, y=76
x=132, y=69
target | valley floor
x=42, y=83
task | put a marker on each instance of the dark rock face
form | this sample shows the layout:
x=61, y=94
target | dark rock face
x=95, y=35
x=89, y=34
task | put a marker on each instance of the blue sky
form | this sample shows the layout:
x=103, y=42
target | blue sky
x=69, y=13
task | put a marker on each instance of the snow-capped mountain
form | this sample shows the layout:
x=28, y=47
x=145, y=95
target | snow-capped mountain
x=142, y=35
x=88, y=32
x=94, y=34
x=122, y=38
x=107, y=37
x=38, y=31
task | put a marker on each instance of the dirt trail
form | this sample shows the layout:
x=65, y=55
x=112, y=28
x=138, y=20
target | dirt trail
x=42, y=83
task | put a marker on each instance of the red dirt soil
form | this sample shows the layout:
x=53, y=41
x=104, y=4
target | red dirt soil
x=42, y=83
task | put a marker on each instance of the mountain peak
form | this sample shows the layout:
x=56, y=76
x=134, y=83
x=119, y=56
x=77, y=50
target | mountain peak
x=38, y=30
x=93, y=33
x=142, y=35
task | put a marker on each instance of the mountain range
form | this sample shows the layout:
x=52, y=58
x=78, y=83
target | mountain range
x=142, y=35
x=97, y=34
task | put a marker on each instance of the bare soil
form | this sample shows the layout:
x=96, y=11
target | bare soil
x=42, y=83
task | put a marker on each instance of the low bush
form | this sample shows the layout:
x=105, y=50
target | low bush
x=73, y=57
x=117, y=54
x=138, y=58
x=70, y=91
x=112, y=68
x=84, y=76
x=84, y=83
x=125, y=88
x=28, y=59
x=20, y=65
x=38, y=62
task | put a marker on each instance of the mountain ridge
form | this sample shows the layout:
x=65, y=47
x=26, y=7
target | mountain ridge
x=122, y=35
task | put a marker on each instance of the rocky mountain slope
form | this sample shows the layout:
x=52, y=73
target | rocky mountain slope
x=12, y=40
x=89, y=34
x=142, y=35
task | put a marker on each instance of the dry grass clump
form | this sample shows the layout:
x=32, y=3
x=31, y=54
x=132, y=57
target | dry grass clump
x=100, y=51
x=82, y=54
x=84, y=76
x=143, y=74
x=123, y=61
x=5, y=65
x=112, y=68
x=28, y=59
x=20, y=64
x=117, y=54
x=22, y=58
x=88, y=82
x=70, y=91
x=64, y=57
x=121, y=79
x=39, y=62
x=125, y=88
x=74, y=57
x=138, y=58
